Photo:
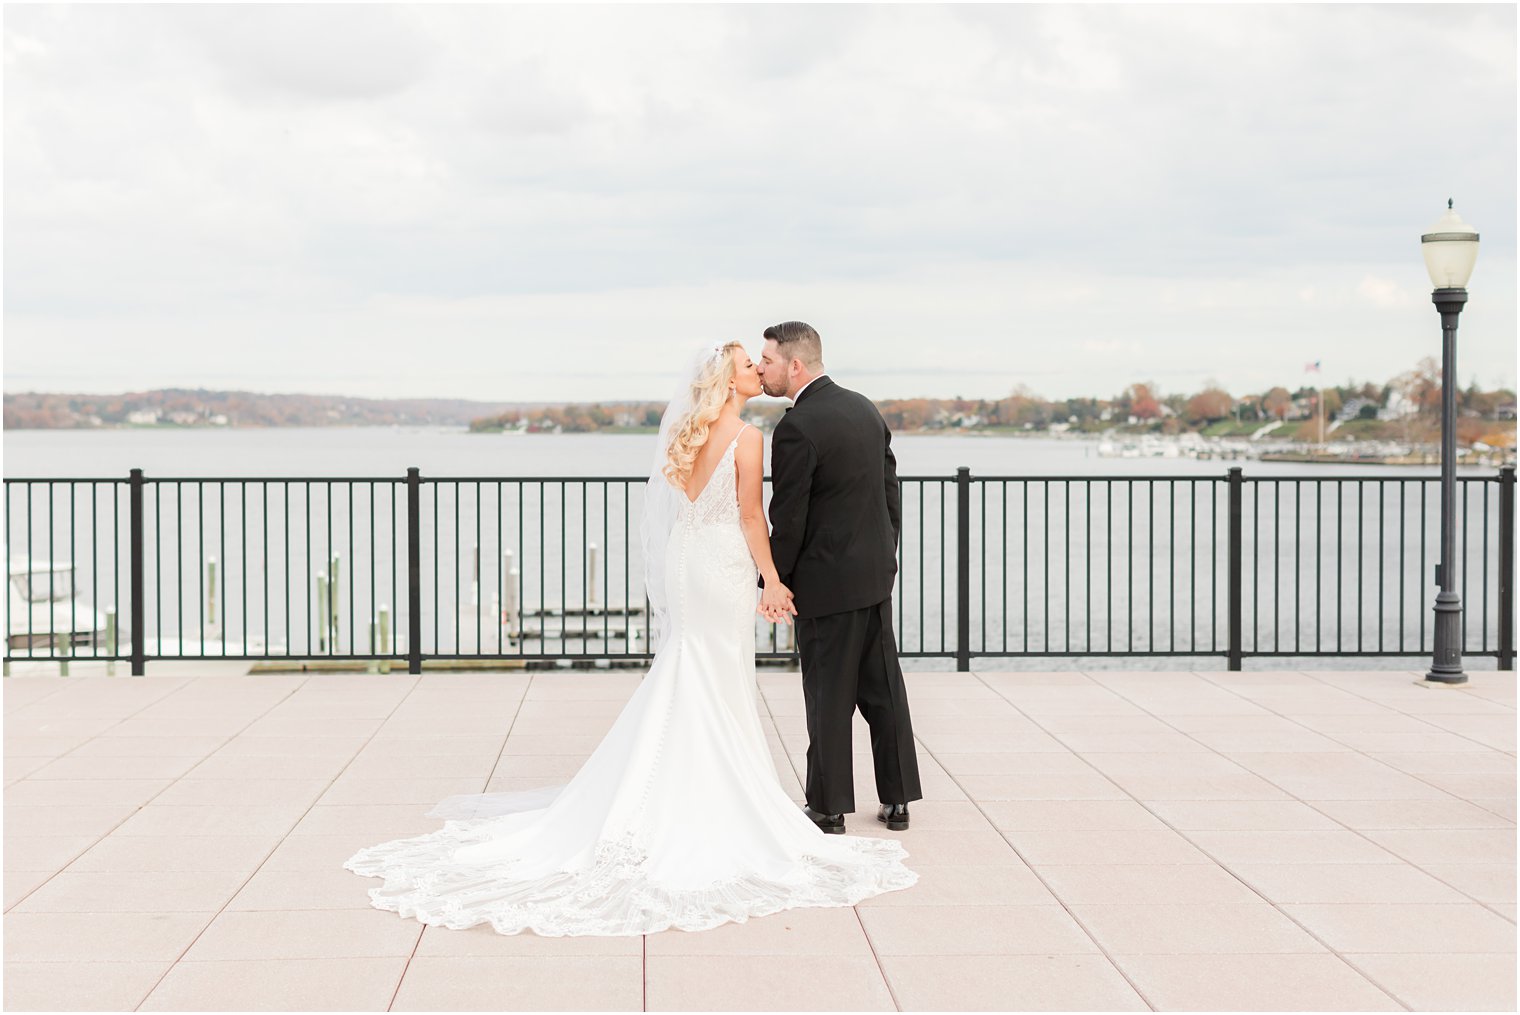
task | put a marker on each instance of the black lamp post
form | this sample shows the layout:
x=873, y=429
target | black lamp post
x=1451, y=249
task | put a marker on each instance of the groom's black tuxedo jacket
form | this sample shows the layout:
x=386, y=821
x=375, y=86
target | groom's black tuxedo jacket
x=836, y=508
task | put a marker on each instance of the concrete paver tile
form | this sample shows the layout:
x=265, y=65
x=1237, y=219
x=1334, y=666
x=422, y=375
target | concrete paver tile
x=1135, y=846
x=980, y=930
x=346, y=984
x=1145, y=884
x=100, y=937
x=306, y=934
x=20, y=883
x=1009, y=983
x=523, y=983
x=1465, y=928
x=1231, y=848
x=1434, y=845
x=1487, y=882
x=1441, y=981
x=1073, y=815
x=1441, y=812
x=43, y=852
x=1286, y=883
x=79, y=986
x=228, y=818
x=1079, y=786
x=55, y=793
x=766, y=983
x=175, y=853
x=134, y=892
x=1193, y=929
x=1254, y=983
x=1241, y=815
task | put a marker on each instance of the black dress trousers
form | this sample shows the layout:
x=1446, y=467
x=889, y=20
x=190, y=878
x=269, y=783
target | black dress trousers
x=849, y=661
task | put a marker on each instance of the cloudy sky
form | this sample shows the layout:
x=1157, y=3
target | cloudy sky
x=560, y=202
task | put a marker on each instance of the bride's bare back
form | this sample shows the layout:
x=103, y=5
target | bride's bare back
x=718, y=437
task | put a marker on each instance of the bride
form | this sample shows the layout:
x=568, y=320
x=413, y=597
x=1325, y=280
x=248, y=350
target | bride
x=677, y=820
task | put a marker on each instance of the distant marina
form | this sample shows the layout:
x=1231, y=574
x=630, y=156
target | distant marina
x=1203, y=448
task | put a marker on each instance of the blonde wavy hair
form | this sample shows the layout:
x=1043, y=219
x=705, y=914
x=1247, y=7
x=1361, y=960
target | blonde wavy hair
x=709, y=393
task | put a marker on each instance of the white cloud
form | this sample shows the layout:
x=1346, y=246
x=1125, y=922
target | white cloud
x=1383, y=292
x=960, y=197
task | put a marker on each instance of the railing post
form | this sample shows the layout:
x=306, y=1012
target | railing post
x=1237, y=502
x=139, y=657
x=1507, y=568
x=963, y=569
x=413, y=570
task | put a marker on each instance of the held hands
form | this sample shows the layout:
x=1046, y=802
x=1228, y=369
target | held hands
x=776, y=603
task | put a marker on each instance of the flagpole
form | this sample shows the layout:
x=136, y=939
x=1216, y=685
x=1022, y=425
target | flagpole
x=1319, y=398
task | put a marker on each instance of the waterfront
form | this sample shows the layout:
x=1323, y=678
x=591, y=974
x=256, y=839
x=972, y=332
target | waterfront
x=453, y=451
x=1073, y=554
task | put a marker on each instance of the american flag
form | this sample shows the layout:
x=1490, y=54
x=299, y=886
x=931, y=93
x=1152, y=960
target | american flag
x=1311, y=368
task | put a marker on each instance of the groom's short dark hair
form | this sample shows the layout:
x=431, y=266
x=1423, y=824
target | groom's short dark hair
x=797, y=340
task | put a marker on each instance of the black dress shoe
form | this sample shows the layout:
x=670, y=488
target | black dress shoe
x=833, y=824
x=895, y=816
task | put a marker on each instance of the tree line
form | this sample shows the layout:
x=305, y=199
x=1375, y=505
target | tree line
x=1414, y=395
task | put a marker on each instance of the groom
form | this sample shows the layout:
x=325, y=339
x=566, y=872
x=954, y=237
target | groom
x=835, y=512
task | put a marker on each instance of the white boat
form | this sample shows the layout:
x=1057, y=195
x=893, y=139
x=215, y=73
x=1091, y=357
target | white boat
x=45, y=609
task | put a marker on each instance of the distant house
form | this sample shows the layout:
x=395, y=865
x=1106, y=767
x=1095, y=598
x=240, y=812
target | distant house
x=1399, y=407
x=143, y=417
x=1353, y=409
x=183, y=417
x=1505, y=411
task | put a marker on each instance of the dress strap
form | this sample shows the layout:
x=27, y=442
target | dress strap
x=739, y=433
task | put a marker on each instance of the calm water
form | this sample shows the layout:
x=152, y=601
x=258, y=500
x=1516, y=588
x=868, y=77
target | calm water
x=448, y=451
x=1108, y=559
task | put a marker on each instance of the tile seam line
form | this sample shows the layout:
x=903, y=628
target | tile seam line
x=1352, y=750
x=1418, y=717
x=1102, y=949
x=1411, y=715
x=306, y=679
x=1212, y=858
x=501, y=751
x=792, y=764
x=185, y=682
x=406, y=967
x=50, y=694
x=1329, y=736
x=1217, y=862
x=876, y=958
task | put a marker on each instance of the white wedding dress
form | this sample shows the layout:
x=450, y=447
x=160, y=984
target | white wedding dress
x=677, y=820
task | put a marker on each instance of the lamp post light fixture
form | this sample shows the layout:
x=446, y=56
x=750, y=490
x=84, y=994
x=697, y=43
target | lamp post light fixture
x=1451, y=249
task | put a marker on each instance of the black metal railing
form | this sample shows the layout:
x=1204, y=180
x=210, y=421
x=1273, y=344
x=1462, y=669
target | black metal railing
x=546, y=570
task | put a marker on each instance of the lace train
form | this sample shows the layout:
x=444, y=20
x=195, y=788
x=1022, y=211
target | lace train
x=611, y=895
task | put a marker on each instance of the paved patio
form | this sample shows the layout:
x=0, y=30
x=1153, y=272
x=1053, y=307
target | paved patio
x=1105, y=840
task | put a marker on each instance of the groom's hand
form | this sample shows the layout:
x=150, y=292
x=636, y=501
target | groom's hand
x=776, y=603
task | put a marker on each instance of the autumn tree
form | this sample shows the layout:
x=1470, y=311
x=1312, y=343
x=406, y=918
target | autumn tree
x=1210, y=404
x=1277, y=402
x=1141, y=402
x=1024, y=407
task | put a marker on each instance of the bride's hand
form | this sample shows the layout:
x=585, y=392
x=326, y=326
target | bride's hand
x=776, y=603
